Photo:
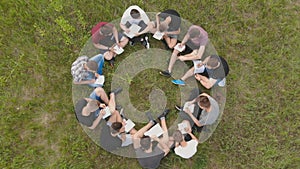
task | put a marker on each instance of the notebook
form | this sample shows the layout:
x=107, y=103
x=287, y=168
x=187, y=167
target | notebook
x=118, y=49
x=100, y=80
x=133, y=30
x=129, y=125
x=107, y=112
x=155, y=130
x=189, y=107
x=197, y=68
x=158, y=35
x=180, y=49
x=182, y=126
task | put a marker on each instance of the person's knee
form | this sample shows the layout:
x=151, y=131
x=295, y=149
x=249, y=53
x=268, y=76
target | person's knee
x=99, y=91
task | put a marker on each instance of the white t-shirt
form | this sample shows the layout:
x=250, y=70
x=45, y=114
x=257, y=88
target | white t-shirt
x=188, y=151
x=127, y=17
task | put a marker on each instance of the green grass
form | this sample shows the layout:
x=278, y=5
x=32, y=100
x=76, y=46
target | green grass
x=39, y=42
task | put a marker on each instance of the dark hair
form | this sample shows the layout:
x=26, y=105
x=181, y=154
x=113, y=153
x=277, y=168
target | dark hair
x=177, y=135
x=92, y=65
x=145, y=142
x=194, y=33
x=106, y=29
x=135, y=13
x=203, y=101
x=116, y=126
x=213, y=61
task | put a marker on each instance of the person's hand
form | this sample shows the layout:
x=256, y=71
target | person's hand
x=96, y=74
x=102, y=105
x=102, y=112
x=198, y=77
x=180, y=45
x=181, y=58
x=127, y=30
x=154, y=137
x=200, y=64
x=188, y=129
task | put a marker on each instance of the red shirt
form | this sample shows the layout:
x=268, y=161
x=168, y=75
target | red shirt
x=96, y=37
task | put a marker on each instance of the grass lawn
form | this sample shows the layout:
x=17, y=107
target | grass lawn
x=40, y=40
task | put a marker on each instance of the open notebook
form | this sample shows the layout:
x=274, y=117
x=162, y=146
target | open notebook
x=107, y=112
x=118, y=49
x=158, y=35
x=180, y=49
x=129, y=125
x=188, y=106
x=182, y=126
x=155, y=130
x=133, y=30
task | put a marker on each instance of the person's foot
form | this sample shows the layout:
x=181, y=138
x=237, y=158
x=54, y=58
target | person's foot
x=165, y=73
x=112, y=62
x=178, y=82
x=179, y=108
x=117, y=91
x=122, y=114
x=164, y=114
x=131, y=43
x=150, y=118
x=146, y=43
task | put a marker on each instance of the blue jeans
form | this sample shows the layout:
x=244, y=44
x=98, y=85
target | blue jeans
x=99, y=59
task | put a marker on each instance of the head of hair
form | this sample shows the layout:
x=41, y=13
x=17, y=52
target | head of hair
x=163, y=26
x=203, y=101
x=177, y=135
x=213, y=61
x=116, y=126
x=92, y=65
x=145, y=142
x=135, y=14
x=106, y=29
x=194, y=33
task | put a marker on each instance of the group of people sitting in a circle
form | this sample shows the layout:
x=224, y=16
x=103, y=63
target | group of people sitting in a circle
x=198, y=111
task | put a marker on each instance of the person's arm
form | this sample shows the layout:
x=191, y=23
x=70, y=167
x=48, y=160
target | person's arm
x=174, y=32
x=161, y=144
x=207, y=83
x=100, y=46
x=185, y=39
x=115, y=33
x=85, y=81
x=157, y=21
x=200, y=52
x=124, y=28
x=96, y=122
x=195, y=120
x=193, y=136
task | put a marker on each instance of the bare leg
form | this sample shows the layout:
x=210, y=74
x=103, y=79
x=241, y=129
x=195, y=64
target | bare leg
x=140, y=132
x=112, y=102
x=170, y=41
x=173, y=60
x=101, y=93
x=191, y=54
x=188, y=74
x=165, y=137
x=123, y=42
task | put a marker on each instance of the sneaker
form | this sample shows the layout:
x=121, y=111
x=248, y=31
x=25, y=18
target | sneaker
x=179, y=108
x=165, y=73
x=131, y=43
x=164, y=114
x=117, y=91
x=146, y=41
x=112, y=62
x=178, y=82
x=119, y=108
x=150, y=118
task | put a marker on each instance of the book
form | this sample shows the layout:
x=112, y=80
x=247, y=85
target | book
x=198, y=69
x=129, y=125
x=100, y=80
x=182, y=126
x=133, y=30
x=107, y=112
x=158, y=35
x=188, y=106
x=118, y=49
x=180, y=49
x=155, y=130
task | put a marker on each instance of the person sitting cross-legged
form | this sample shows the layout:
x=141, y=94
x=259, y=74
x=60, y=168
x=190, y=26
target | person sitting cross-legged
x=185, y=148
x=105, y=37
x=86, y=70
x=150, y=156
x=194, y=41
